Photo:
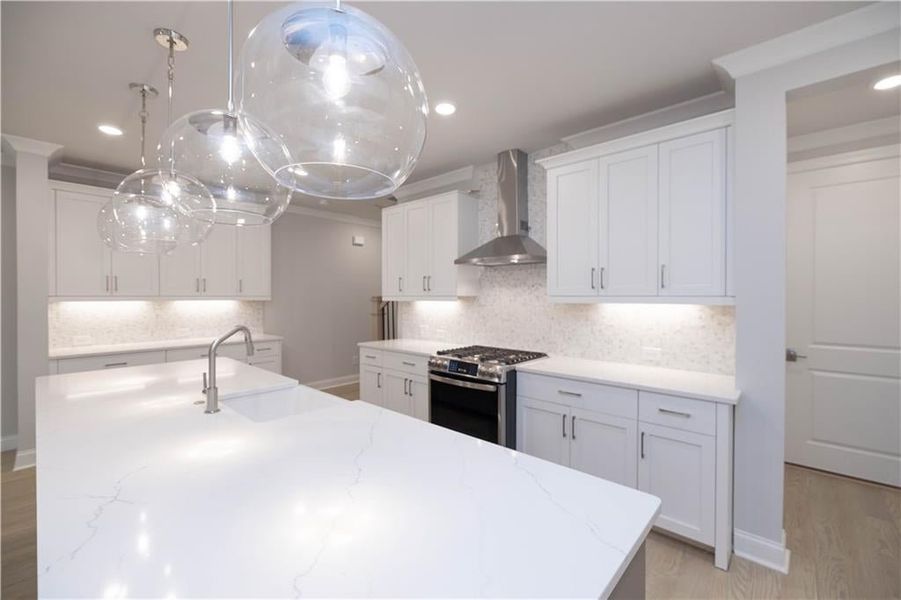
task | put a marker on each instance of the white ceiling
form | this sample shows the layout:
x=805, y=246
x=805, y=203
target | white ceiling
x=523, y=74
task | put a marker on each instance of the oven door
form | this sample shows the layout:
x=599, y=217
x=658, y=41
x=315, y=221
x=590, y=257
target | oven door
x=475, y=408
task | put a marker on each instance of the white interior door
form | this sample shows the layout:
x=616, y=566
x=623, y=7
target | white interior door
x=572, y=232
x=218, y=262
x=843, y=400
x=628, y=223
x=418, y=247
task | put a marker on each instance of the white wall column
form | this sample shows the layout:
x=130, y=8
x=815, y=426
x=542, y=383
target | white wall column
x=32, y=218
x=763, y=75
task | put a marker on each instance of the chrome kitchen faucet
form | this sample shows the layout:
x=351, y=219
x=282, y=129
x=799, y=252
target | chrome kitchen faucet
x=209, y=384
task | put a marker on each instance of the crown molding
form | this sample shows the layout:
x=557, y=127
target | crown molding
x=460, y=179
x=23, y=145
x=857, y=132
x=863, y=23
x=333, y=216
x=86, y=175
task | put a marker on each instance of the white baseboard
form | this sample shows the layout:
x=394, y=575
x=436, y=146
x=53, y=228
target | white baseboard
x=24, y=459
x=763, y=551
x=8, y=442
x=324, y=384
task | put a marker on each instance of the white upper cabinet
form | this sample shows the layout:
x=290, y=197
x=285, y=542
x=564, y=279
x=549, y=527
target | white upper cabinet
x=420, y=241
x=643, y=218
x=233, y=262
x=628, y=223
x=572, y=219
x=693, y=215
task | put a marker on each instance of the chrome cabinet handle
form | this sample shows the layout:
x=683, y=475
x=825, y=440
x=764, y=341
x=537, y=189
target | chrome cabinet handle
x=240, y=286
x=573, y=427
x=602, y=277
x=115, y=283
x=116, y=364
x=197, y=284
x=566, y=393
x=429, y=283
x=592, y=277
x=642, y=444
x=107, y=283
x=409, y=364
x=204, y=284
x=662, y=276
x=369, y=356
x=423, y=283
x=564, y=425
x=378, y=380
x=675, y=413
x=263, y=349
x=400, y=284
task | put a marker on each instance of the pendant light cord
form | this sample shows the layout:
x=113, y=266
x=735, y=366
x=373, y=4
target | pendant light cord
x=231, y=57
x=143, y=114
x=171, y=62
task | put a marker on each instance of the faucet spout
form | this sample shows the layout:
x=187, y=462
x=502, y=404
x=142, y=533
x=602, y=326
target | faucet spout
x=210, y=389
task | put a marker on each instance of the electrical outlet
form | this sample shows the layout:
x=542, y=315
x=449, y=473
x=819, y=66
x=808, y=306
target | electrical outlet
x=651, y=353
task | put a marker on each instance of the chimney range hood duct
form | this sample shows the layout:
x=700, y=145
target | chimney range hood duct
x=513, y=246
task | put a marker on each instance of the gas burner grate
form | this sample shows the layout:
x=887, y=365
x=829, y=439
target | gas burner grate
x=489, y=354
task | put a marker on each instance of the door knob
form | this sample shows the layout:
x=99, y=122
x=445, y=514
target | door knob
x=791, y=355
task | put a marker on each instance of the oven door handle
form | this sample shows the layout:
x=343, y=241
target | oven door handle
x=484, y=387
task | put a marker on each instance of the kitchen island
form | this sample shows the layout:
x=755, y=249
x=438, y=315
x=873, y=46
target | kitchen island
x=291, y=492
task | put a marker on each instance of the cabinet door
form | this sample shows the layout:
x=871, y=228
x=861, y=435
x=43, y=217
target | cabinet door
x=543, y=430
x=371, y=390
x=572, y=233
x=442, y=275
x=628, y=223
x=218, y=263
x=679, y=467
x=396, y=394
x=418, y=248
x=605, y=446
x=135, y=274
x=419, y=397
x=180, y=272
x=254, y=260
x=82, y=259
x=394, y=251
x=693, y=215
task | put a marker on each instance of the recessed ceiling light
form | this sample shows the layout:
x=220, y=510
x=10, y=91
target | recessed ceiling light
x=887, y=83
x=109, y=129
x=445, y=109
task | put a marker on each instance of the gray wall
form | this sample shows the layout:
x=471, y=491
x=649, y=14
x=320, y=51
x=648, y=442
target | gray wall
x=9, y=409
x=321, y=294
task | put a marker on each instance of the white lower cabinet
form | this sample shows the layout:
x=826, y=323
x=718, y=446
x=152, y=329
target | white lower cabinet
x=396, y=381
x=678, y=449
x=110, y=361
x=679, y=467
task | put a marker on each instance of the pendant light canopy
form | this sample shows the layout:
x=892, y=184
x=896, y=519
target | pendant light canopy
x=143, y=215
x=344, y=95
x=221, y=150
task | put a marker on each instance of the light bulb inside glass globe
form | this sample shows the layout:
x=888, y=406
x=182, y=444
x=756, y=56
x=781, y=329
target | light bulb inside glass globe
x=215, y=147
x=142, y=217
x=344, y=95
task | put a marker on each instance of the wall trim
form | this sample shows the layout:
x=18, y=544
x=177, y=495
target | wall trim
x=25, y=459
x=724, y=118
x=8, y=442
x=765, y=552
x=461, y=179
x=844, y=29
x=72, y=173
x=333, y=216
x=842, y=135
x=845, y=158
x=324, y=384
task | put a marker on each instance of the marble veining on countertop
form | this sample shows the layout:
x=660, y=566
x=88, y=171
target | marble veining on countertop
x=298, y=493
x=102, y=349
x=692, y=384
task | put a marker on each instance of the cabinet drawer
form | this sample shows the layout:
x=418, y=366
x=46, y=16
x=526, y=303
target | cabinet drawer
x=270, y=363
x=677, y=412
x=110, y=361
x=266, y=349
x=235, y=351
x=368, y=356
x=408, y=363
x=606, y=399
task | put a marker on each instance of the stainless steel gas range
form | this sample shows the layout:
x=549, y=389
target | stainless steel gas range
x=473, y=390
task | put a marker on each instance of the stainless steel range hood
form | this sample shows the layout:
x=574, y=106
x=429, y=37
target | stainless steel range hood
x=513, y=246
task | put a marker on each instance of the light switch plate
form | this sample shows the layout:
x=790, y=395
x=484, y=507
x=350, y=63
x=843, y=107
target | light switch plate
x=358, y=240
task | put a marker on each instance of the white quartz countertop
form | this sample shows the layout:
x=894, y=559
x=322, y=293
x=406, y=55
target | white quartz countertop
x=102, y=349
x=408, y=346
x=298, y=493
x=691, y=384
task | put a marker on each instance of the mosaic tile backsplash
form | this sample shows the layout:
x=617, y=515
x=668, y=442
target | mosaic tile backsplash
x=512, y=309
x=130, y=321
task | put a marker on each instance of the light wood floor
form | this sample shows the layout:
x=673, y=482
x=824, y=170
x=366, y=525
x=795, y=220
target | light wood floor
x=844, y=536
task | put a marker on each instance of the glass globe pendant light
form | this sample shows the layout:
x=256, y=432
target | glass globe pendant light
x=220, y=150
x=142, y=217
x=344, y=96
